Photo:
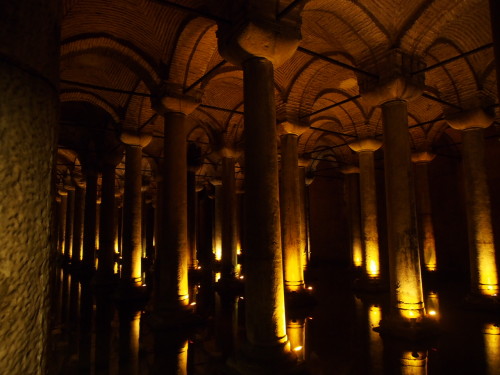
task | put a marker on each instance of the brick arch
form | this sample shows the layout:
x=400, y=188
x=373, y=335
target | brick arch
x=103, y=45
x=92, y=98
x=195, y=49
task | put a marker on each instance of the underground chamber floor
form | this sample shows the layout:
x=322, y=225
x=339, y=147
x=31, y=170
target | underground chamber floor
x=93, y=334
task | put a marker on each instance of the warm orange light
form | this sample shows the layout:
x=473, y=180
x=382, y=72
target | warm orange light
x=414, y=363
x=296, y=332
x=310, y=288
x=491, y=334
x=373, y=270
x=217, y=276
x=432, y=304
x=297, y=348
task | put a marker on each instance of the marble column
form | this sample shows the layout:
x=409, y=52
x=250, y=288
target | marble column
x=29, y=70
x=132, y=208
x=192, y=213
x=291, y=214
x=63, y=208
x=70, y=219
x=217, y=218
x=89, y=219
x=392, y=91
x=80, y=190
x=229, y=220
x=172, y=290
x=483, y=268
x=365, y=148
x=351, y=191
x=303, y=236
x=106, y=259
x=424, y=210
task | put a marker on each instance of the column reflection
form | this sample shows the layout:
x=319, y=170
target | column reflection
x=129, y=341
x=103, y=331
x=296, y=332
x=226, y=323
x=375, y=344
x=491, y=334
x=414, y=363
x=171, y=354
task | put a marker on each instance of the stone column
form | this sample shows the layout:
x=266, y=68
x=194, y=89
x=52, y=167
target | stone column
x=192, y=213
x=495, y=33
x=258, y=47
x=105, y=265
x=351, y=191
x=132, y=208
x=70, y=219
x=63, y=208
x=217, y=217
x=484, y=277
x=89, y=219
x=424, y=210
x=78, y=222
x=368, y=197
x=172, y=292
x=29, y=70
x=392, y=91
x=303, y=216
x=291, y=214
x=229, y=220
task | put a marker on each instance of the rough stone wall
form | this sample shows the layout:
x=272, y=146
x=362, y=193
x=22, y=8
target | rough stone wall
x=28, y=118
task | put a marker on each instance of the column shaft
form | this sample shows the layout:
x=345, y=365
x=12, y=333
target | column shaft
x=132, y=217
x=107, y=223
x=70, y=219
x=217, y=227
x=265, y=308
x=229, y=224
x=63, y=208
x=484, y=279
x=303, y=217
x=89, y=220
x=405, y=275
x=290, y=214
x=353, y=208
x=192, y=208
x=368, y=195
x=78, y=224
x=172, y=254
x=426, y=231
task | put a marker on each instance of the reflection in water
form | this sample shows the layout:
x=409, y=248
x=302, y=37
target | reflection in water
x=104, y=315
x=85, y=342
x=296, y=332
x=226, y=323
x=414, y=363
x=171, y=355
x=129, y=341
x=491, y=333
x=375, y=342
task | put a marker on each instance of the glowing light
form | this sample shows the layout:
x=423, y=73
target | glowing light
x=414, y=363
x=242, y=297
x=217, y=276
x=242, y=277
x=297, y=348
x=432, y=304
x=310, y=288
x=373, y=270
x=491, y=334
x=198, y=268
x=432, y=312
x=192, y=303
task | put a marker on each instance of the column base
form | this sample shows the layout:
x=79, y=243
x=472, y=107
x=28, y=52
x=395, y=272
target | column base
x=256, y=360
x=476, y=301
x=408, y=329
x=230, y=286
x=370, y=285
x=129, y=292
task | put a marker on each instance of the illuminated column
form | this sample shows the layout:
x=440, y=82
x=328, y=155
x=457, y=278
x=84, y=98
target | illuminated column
x=290, y=214
x=172, y=292
x=368, y=197
x=424, y=210
x=229, y=222
x=89, y=219
x=296, y=331
x=29, y=106
x=303, y=216
x=70, y=218
x=192, y=203
x=484, y=279
x=132, y=208
x=413, y=362
x=351, y=191
x=63, y=208
x=258, y=47
x=391, y=92
x=78, y=222
x=217, y=227
x=129, y=341
x=107, y=219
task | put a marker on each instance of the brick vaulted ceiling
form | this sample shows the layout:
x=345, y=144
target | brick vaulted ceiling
x=132, y=46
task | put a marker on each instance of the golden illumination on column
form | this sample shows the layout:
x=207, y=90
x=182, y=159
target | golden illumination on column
x=217, y=227
x=63, y=208
x=424, y=210
x=303, y=214
x=368, y=193
x=414, y=363
x=375, y=341
x=351, y=192
x=290, y=212
x=296, y=331
x=432, y=305
x=483, y=268
x=491, y=335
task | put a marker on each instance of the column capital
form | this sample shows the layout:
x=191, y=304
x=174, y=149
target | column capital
x=422, y=157
x=170, y=98
x=134, y=138
x=216, y=181
x=230, y=152
x=365, y=144
x=476, y=118
x=254, y=36
x=62, y=192
x=395, y=81
x=291, y=127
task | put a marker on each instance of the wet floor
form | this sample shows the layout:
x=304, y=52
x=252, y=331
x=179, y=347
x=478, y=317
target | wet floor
x=94, y=334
